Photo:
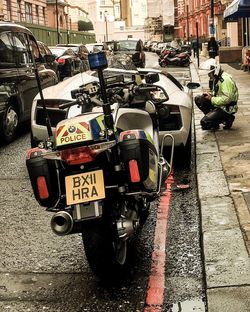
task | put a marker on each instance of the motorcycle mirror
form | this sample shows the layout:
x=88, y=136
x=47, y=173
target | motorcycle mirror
x=193, y=85
x=152, y=77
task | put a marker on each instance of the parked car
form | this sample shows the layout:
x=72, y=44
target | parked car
x=178, y=123
x=80, y=50
x=69, y=63
x=19, y=55
x=132, y=48
x=51, y=62
x=94, y=47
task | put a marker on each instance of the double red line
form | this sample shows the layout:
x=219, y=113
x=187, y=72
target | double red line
x=156, y=283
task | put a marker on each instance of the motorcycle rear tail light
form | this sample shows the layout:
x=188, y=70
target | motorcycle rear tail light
x=42, y=187
x=61, y=61
x=77, y=156
x=134, y=171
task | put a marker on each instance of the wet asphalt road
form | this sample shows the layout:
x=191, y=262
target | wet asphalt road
x=40, y=271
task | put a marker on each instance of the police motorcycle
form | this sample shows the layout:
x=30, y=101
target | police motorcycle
x=103, y=167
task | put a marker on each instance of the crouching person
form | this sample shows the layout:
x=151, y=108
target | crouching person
x=219, y=105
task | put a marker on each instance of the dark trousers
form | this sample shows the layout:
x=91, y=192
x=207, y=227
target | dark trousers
x=214, y=116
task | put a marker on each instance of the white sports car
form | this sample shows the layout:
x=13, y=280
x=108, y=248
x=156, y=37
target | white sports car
x=178, y=123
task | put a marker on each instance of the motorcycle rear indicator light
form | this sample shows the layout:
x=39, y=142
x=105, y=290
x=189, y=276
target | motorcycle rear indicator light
x=77, y=156
x=134, y=171
x=42, y=187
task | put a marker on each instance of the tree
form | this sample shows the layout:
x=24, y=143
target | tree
x=85, y=25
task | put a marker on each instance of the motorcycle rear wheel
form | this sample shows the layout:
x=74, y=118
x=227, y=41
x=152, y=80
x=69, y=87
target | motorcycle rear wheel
x=107, y=255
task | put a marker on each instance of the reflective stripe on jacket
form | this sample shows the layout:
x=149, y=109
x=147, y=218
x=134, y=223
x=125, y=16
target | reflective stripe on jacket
x=227, y=94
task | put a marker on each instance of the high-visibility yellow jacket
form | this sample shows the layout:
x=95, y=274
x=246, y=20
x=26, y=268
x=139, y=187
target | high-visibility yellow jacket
x=226, y=94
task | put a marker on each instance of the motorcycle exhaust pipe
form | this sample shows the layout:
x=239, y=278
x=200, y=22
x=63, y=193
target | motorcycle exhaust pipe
x=62, y=223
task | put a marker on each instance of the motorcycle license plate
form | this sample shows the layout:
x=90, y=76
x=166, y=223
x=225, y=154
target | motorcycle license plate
x=84, y=187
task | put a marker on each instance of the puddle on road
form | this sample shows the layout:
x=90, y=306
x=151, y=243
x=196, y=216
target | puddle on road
x=189, y=306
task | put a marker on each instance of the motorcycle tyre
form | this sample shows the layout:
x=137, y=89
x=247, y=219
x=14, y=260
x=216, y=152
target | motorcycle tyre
x=163, y=64
x=187, y=63
x=101, y=249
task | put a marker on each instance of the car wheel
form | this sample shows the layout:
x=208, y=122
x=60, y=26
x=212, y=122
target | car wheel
x=187, y=149
x=9, y=124
x=72, y=70
x=33, y=142
x=58, y=75
x=183, y=154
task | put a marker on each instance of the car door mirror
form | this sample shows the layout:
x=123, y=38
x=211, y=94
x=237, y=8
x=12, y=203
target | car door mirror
x=152, y=77
x=193, y=85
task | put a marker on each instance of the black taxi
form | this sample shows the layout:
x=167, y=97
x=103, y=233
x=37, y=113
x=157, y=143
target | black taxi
x=20, y=60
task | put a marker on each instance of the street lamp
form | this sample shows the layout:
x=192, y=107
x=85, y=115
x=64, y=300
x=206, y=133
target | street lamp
x=106, y=24
x=57, y=24
x=187, y=26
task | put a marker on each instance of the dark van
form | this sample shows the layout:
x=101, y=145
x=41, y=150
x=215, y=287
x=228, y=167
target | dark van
x=18, y=85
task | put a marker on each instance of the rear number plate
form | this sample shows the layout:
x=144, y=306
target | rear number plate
x=84, y=187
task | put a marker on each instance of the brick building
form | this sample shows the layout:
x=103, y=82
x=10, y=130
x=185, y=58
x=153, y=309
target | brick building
x=204, y=15
x=33, y=12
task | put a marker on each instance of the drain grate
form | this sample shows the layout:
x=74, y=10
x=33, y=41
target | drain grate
x=243, y=156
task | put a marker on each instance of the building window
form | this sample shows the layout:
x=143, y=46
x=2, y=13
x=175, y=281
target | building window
x=44, y=15
x=28, y=12
x=6, y=50
x=117, y=10
x=8, y=6
x=37, y=14
x=102, y=2
x=101, y=15
x=18, y=12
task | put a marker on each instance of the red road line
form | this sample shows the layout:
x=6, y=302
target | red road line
x=156, y=283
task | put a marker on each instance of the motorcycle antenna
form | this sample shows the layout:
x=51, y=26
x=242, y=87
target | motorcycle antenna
x=98, y=61
x=32, y=47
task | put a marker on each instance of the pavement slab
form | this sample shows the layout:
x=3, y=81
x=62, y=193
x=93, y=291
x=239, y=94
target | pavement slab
x=229, y=298
x=223, y=176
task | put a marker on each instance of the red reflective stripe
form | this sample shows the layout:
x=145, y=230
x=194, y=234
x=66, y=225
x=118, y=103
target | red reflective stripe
x=156, y=283
x=42, y=187
x=134, y=171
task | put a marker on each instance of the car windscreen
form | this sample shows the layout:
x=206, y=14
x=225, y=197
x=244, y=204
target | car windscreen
x=58, y=51
x=75, y=49
x=128, y=45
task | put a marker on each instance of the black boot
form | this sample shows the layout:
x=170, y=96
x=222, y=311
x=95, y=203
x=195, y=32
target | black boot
x=228, y=122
